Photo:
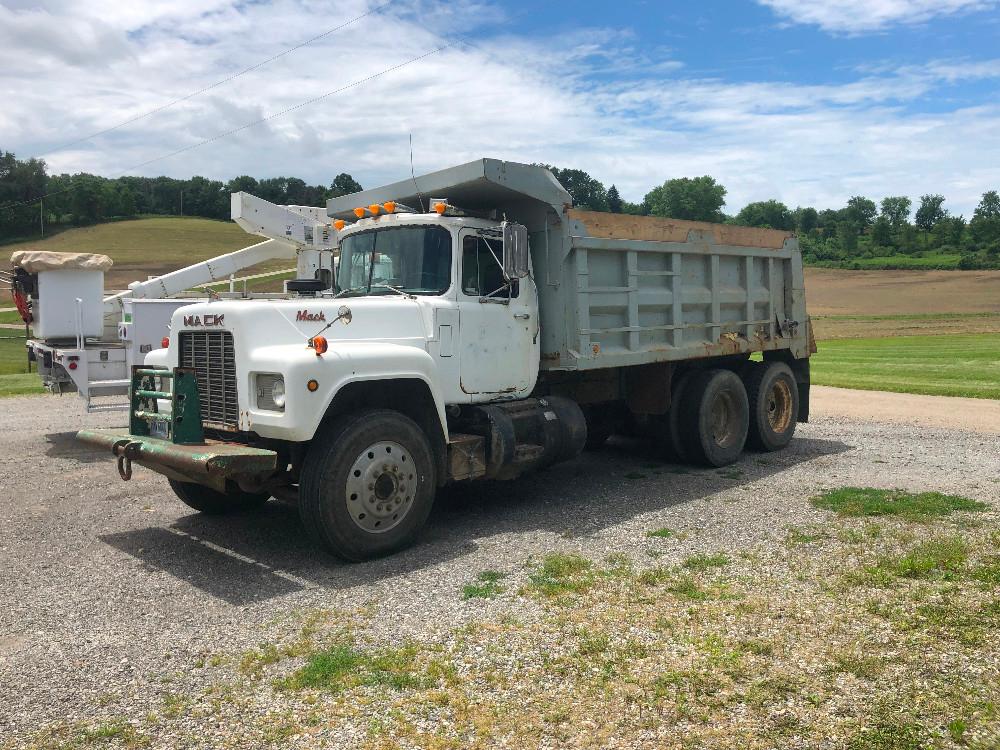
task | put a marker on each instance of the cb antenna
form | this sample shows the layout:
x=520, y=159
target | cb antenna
x=413, y=176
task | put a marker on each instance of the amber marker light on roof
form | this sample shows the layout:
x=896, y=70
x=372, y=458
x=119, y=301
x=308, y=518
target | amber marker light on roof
x=440, y=207
x=359, y=212
x=389, y=206
x=374, y=208
x=339, y=224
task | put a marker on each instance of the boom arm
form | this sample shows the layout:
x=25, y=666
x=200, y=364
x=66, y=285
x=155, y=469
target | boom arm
x=292, y=231
x=213, y=269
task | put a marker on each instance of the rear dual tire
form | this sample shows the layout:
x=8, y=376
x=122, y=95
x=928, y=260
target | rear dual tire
x=773, y=397
x=714, y=414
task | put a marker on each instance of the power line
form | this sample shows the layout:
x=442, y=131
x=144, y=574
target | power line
x=294, y=107
x=252, y=123
x=233, y=77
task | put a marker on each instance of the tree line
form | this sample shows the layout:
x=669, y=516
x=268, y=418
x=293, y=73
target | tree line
x=81, y=199
x=892, y=232
x=861, y=234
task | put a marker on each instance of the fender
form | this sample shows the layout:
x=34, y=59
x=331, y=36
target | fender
x=344, y=363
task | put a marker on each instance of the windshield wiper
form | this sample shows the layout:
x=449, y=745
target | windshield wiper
x=349, y=290
x=396, y=289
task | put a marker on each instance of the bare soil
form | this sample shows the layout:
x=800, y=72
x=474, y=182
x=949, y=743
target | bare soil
x=836, y=292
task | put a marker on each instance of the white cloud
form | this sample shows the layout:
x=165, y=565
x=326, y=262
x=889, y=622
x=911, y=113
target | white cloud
x=545, y=100
x=859, y=16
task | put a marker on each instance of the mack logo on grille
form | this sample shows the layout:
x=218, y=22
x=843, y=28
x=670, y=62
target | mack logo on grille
x=310, y=317
x=192, y=321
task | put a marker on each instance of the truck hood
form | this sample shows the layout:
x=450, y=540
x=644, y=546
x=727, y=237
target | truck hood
x=396, y=318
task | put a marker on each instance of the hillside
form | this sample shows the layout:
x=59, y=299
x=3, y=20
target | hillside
x=149, y=246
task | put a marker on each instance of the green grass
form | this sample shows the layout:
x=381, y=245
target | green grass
x=152, y=245
x=342, y=667
x=487, y=586
x=706, y=562
x=929, y=261
x=663, y=533
x=14, y=381
x=10, y=316
x=913, y=506
x=953, y=365
x=560, y=573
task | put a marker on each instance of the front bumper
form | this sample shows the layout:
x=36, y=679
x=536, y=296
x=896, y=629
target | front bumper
x=211, y=463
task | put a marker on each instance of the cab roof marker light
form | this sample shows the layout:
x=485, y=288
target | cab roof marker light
x=339, y=224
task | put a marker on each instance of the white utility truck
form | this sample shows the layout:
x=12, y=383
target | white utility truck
x=446, y=351
x=87, y=341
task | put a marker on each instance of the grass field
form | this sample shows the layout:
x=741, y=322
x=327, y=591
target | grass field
x=959, y=365
x=151, y=246
x=899, y=262
x=14, y=379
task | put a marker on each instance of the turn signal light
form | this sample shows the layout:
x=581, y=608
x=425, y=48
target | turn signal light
x=359, y=212
x=312, y=385
x=319, y=344
x=165, y=342
x=389, y=206
x=441, y=207
x=339, y=224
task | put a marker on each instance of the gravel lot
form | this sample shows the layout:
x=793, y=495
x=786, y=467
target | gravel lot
x=114, y=595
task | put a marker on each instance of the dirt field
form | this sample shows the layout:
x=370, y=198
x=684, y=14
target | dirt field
x=875, y=293
x=613, y=601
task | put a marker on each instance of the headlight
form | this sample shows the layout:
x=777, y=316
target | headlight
x=278, y=393
x=270, y=392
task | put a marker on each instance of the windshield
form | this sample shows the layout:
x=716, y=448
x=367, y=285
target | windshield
x=414, y=259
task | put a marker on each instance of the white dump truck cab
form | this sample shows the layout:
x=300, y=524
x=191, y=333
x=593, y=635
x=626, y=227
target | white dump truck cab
x=444, y=349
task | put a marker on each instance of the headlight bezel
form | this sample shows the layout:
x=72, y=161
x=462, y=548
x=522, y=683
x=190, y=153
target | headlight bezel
x=271, y=393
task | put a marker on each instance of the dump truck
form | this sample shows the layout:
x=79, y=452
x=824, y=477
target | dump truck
x=478, y=327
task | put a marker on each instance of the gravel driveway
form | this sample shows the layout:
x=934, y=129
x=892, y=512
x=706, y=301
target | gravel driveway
x=113, y=595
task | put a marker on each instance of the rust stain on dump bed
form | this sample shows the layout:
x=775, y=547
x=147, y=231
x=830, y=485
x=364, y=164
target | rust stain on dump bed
x=657, y=229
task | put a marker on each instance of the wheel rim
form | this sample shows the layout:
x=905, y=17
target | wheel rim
x=723, y=419
x=380, y=486
x=779, y=406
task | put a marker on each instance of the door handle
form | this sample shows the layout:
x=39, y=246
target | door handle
x=522, y=316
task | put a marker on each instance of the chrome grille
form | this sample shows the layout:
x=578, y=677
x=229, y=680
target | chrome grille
x=211, y=355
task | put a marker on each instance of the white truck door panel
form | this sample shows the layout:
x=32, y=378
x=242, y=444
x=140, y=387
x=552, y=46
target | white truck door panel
x=497, y=341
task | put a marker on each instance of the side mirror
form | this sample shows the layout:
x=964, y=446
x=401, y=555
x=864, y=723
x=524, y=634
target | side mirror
x=515, y=250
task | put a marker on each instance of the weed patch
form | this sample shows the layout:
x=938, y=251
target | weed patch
x=342, y=667
x=706, y=562
x=868, y=501
x=562, y=574
x=487, y=585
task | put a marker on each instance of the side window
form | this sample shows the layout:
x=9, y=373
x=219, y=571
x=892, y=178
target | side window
x=481, y=273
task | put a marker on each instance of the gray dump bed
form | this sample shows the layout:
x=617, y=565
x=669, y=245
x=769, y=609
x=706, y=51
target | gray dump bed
x=617, y=290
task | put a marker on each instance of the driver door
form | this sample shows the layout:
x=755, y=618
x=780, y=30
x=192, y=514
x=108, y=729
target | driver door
x=498, y=338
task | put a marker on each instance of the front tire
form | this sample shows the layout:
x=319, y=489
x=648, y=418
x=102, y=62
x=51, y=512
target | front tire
x=214, y=503
x=367, y=484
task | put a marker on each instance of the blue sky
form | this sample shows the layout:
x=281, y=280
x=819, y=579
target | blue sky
x=809, y=102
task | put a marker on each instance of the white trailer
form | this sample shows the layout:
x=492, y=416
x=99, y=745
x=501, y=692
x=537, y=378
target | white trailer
x=446, y=351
